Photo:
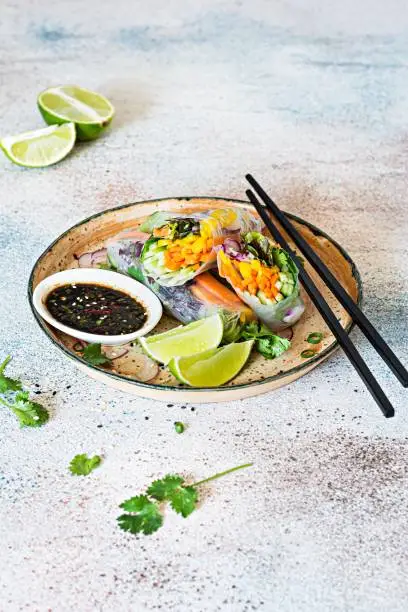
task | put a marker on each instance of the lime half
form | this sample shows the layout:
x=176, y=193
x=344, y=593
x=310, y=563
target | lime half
x=185, y=340
x=211, y=368
x=90, y=111
x=40, y=148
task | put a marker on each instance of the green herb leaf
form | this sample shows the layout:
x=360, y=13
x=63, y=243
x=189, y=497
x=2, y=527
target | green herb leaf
x=183, y=500
x=251, y=330
x=163, y=489
x=314, y=338
x=179, y=427
x=146, y=517
x=145, y=514
x=259, y=245
x=82, y=465
x=93, y=355
x=171, y=488
x=267, y=343
x=231, y=325
x=29, y=414
x=272, y=346
x=6, y=383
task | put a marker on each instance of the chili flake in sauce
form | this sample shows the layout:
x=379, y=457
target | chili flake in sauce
x=96, y=309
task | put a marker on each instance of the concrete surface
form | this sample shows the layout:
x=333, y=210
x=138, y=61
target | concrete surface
x=311, y=97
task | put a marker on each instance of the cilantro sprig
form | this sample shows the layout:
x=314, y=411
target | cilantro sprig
x=143, y=513
x=6, y=383
x=82, y=465
x=28, y=413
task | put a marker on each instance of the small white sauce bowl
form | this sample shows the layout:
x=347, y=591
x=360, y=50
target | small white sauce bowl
x=107, y=278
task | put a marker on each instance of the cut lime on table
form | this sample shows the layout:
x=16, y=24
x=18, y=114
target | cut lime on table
x=91, y=112
x=212, y=368
x=192, y=338
x=40, y=148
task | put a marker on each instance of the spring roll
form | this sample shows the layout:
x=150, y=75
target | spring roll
x=198, y=298
x=183, y=246
x=264, y=277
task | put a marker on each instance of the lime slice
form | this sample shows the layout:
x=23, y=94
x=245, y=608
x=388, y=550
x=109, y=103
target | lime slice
x=211, y=368
x=184, y=340
x=90, y=111
x=40, y=148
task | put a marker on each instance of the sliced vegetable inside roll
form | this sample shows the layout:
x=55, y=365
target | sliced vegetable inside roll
x=200, y=297
x=181, y=247
x=264, y=277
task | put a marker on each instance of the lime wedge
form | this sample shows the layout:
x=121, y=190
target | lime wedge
x=211, y=368
x=90, y=111
x=40, y=148
x=184, y=340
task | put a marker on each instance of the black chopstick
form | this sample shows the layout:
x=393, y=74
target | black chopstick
x=328, y=315
x=341, y=294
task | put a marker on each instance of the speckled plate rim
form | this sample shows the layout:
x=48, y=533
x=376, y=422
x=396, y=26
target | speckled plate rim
x=309, y=363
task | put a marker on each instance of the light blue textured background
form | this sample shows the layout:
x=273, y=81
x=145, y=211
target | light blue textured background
x=311, y=96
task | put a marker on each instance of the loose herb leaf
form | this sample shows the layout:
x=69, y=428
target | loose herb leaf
x=146, y=517
x=267, y=343
x=314, y=338
x=93, y=355
x=82, y=465
x=6, y=383
x=179, y=427
x=145, y=514
x=29, y=414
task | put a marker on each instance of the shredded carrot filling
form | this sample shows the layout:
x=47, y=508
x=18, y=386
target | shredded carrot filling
x=251, y=276
x=193, y=250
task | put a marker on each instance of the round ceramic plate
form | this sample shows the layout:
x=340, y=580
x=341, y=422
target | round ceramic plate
x=259, y=375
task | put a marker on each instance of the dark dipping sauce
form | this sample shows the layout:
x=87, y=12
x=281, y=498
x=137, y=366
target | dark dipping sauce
x=96, y=309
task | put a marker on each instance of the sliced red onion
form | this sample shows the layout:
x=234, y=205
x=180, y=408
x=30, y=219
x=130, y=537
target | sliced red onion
x=92, y=259
x=230, y=243
x=85, y=260
x=286, y=333
x=99, y=256
x=138, y=248
x=294, y=313
x=114, y=352
x=140, y=367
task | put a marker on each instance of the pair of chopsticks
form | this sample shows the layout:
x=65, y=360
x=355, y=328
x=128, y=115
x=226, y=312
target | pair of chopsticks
x=322, y=306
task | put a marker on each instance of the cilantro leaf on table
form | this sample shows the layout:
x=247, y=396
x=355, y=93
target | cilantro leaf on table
x=161, y=489
x=269, y=344
x=93, y=355
x=29, y=414
x=6, y=383
x=144, y=514
x=145, y=517
x=183, y=500
x=82, y=465
x=171, y=488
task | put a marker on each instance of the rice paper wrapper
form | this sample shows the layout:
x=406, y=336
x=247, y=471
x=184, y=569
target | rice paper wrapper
x=277, y=316
x=254, y=251
x=198, y=298
x=183, y=246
